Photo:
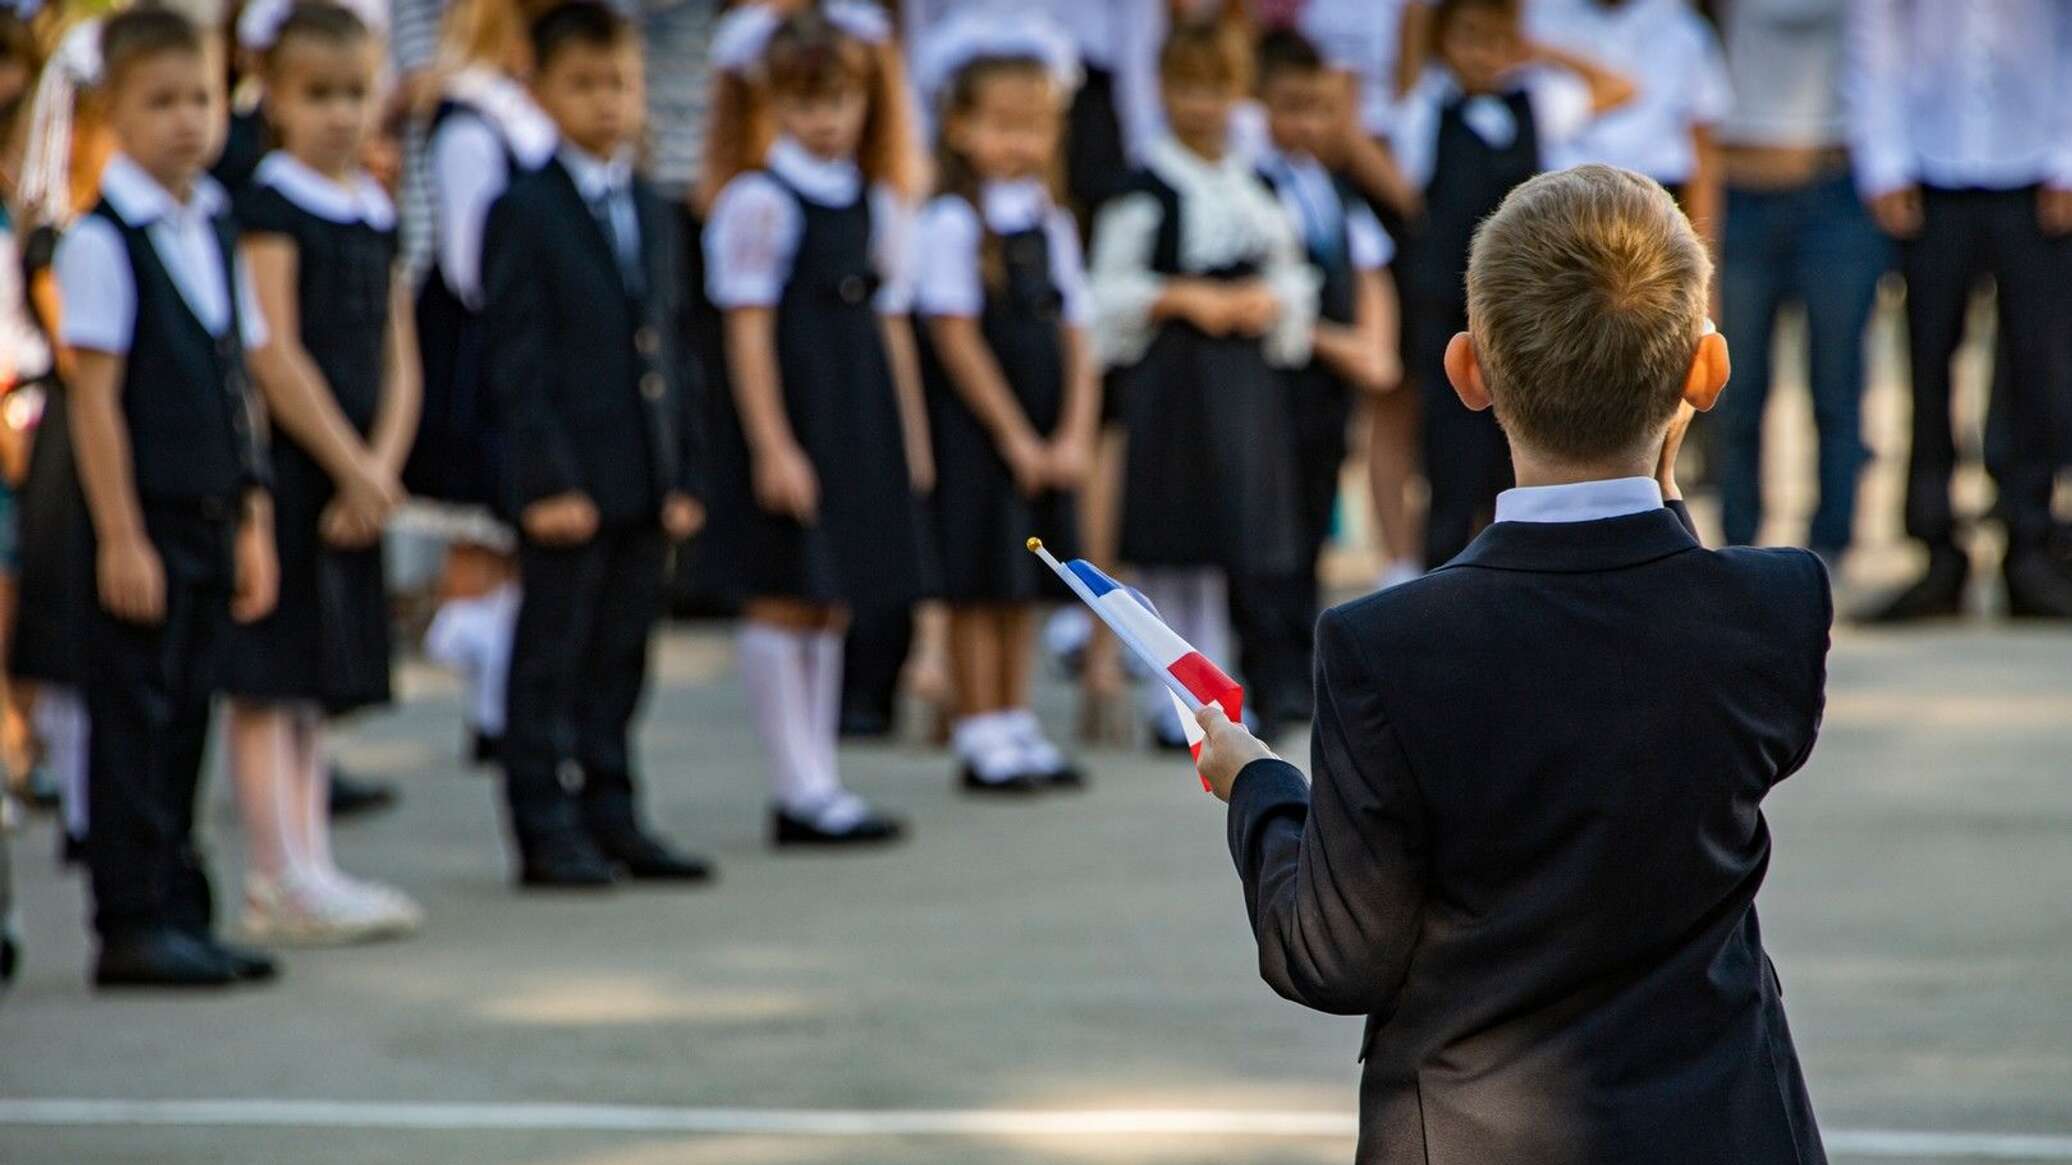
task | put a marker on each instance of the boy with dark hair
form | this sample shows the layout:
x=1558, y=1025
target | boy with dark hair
x=157, y=315
x=1532, y=845
x=580, y=282
x=1353, y=351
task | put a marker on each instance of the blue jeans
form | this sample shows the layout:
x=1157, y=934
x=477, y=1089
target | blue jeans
x=1818, y=245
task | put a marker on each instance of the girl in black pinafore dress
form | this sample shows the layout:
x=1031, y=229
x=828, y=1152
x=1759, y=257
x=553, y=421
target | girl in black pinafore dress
x=1202, y=296
x=1012, y=402
x=320, y=238
x=820, y=446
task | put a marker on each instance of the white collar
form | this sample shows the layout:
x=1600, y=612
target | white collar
x=1016, y=205
x=1181, y=166
x=1581, y=501
x=595, y=177
x=141, y=201
x=829, y=183
x=1273, y=159
x=358, y=200
x=523, y=124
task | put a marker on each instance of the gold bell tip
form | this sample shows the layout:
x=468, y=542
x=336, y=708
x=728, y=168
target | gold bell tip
x=1035, y=544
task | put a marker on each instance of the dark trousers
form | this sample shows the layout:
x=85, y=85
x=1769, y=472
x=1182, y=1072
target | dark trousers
x=1815, y=244
x=148, y=691
x=1275, y=616
x=873, y=655
x=1966, y=235
x=1467, y=461
x=578, y=667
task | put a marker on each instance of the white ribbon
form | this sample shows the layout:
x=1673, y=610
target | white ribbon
x=47, y=160
x=743, y=35
x=980, y=33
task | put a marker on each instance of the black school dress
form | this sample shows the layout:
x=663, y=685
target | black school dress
x=56, y=591
x=869, y=549
x=982, y=521
x=1208, y=481
x=327, y=640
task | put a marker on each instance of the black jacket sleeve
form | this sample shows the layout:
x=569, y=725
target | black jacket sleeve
x=1334, y=871
x=516, y=322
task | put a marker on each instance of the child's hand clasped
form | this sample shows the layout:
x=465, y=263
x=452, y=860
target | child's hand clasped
x=566, y=519
x=682, y=516
x=786, y=484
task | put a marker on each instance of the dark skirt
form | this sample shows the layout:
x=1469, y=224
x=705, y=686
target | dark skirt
x=56, y=589
x=457, y=454
x=982, y=520
x=327, y=640
x=870, y=547
x=1209, y=478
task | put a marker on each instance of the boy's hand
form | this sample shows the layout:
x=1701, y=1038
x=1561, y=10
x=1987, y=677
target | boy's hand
x=1672, y=444
x=682, y=516
x=131, y=579
x=1898, y=212
x=786, y=484
x=258, y=572
x=1252, y=308
x=566, y=519
x=1226, y=751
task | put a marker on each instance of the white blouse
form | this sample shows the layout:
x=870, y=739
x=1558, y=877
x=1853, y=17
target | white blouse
x=1561, y=110
x=361, y=200
x=1228, y=216
x=1311, y=199
x=468, y=173
x=947, y=280
x=753, y=234
x=1673, y=58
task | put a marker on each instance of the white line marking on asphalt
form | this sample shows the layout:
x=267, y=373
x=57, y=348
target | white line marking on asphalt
x=786, y=1122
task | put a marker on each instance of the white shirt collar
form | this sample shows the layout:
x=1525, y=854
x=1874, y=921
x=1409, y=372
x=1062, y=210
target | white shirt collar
x=595, y=177
x=1582, y=501
x=141, y=201
x=359, y=200
x=1018, y=205
x=524, y=125
x=829, y=183
x=1186, y=169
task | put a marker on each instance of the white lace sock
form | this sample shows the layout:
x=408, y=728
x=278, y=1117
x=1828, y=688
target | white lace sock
x=986, y=744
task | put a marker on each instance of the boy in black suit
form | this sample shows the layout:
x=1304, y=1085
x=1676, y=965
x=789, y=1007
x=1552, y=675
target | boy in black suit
x=1531, y=849
x=580, y=281
x=157, y=315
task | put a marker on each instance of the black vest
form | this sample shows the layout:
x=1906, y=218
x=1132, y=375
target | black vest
x=1469, y=181
x=1165, y=247
x=186, y=396
x=1336, y=294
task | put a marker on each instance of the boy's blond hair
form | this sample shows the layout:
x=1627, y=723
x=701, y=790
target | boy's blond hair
x=1586, y=300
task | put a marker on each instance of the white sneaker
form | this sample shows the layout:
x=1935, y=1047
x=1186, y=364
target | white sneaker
x=388, y=911
x=304, y=912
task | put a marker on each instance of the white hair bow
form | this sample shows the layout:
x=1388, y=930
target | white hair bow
x=743, y=35
x=259, y=25
x=47, y=159
x=980, y=33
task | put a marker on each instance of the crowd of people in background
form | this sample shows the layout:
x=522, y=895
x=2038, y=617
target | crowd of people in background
x=811, y=311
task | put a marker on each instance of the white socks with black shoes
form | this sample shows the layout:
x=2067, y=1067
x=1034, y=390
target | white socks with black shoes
x=794, y=682
x=1007, y=751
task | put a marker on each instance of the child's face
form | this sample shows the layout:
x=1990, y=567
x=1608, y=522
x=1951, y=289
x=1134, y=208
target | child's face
x=1480, y=45
x=1011, y=130
x=1301, y=112
x=320, y=95
x=1199, y=113
x=161, y=112
x=828, y=123
x=593, y=94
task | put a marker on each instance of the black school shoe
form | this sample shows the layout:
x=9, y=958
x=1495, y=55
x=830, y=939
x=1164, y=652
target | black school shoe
x=250, y=966
x=873, y=828
x=1937, y=594
x=161, y=957
x=481, y=748
x=352, y=796
x=645, y=857
x=2037, y=587
x=1015, y=785
x=565, y=860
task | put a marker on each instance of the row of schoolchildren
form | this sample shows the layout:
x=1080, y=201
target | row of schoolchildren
x=836, y=419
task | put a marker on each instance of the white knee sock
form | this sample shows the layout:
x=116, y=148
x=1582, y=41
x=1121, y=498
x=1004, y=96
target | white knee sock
x=824, y=661
x=473, y=637
x=61, y=724
x=781, y=698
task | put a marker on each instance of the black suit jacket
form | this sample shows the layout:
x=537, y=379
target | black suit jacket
x=594, y=392
x=1532, y=845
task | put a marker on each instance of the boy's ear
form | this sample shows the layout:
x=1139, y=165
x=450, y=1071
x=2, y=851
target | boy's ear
x=1710, y=368
x=1465, y=371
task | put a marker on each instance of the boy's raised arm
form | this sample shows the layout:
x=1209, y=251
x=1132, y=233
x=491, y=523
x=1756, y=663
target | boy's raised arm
x=1334, y=871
